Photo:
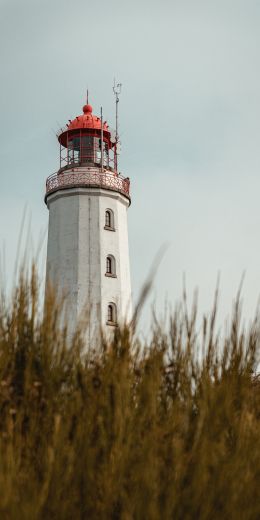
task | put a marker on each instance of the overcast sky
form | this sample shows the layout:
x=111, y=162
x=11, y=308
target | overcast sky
x=189, y=126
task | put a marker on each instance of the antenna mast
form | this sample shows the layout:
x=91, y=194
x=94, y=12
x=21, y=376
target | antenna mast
x=101, y=140
x=117, y=91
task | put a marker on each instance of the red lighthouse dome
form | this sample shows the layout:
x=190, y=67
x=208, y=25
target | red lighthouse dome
x=89, y=124
x=87, y=120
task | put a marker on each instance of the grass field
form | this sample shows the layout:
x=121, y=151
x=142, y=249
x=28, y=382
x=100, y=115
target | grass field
x=167, y=430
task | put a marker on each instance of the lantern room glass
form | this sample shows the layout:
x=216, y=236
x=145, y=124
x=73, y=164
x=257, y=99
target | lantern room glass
x=86, y=149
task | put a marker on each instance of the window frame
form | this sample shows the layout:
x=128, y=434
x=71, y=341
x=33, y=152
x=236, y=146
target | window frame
x=111, y=312
x=110, y=266
x=110, y=227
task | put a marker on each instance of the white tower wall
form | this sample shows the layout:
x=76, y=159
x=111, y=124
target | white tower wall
x=78, y=246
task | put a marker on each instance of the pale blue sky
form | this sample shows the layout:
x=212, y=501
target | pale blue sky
x=189, y=123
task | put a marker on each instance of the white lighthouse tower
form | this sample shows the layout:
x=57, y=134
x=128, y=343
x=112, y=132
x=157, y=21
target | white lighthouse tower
x=87, y=255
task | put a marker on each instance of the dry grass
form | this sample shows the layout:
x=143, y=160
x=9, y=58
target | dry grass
x=162, y=432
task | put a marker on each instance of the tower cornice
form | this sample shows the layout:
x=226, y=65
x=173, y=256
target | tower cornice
x=87, y=191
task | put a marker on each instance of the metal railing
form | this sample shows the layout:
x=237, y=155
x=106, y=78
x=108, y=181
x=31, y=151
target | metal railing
x=88, y=177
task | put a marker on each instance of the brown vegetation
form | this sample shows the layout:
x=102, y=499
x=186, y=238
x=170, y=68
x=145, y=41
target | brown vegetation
x=166, y=431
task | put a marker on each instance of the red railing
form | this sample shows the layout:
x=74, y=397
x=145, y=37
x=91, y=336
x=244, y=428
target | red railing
x=88, y=177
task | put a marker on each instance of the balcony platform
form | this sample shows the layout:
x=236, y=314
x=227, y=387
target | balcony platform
x=89, y=177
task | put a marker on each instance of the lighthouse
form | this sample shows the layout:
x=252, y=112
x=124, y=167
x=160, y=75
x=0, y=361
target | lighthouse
x=87, y=252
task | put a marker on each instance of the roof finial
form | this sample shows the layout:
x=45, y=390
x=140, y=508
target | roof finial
x=87, y=96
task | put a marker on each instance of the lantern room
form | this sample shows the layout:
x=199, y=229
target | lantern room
x=88, y=141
